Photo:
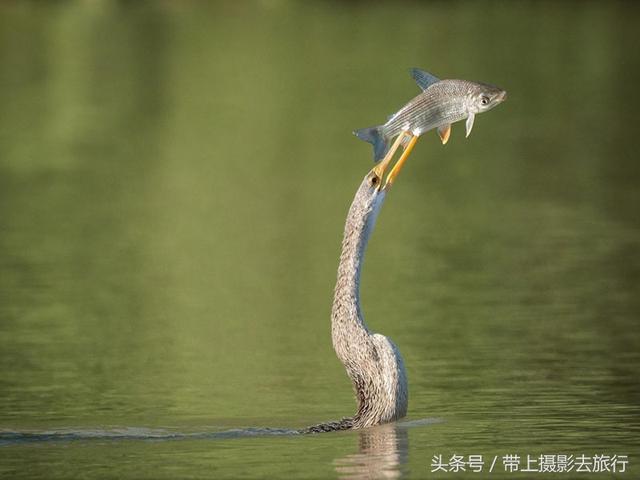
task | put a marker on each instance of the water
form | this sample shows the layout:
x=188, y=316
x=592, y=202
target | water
x=174, y=179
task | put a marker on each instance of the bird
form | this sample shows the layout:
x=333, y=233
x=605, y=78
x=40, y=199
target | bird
x=372, y=361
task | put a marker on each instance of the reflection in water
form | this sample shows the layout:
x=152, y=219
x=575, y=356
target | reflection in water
x=382, y=454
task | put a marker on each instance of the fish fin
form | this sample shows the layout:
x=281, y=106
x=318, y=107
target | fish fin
x=444, y=132
x=376, y=137
x=469, y=123
x=423, y=79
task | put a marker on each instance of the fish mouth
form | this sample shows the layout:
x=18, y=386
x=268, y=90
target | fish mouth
x=502, y=96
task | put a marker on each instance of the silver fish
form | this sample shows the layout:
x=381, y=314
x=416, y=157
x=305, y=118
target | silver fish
x=441, y=103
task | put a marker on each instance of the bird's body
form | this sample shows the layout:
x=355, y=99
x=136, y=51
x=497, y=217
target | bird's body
x=372, y=361
x=440, y=104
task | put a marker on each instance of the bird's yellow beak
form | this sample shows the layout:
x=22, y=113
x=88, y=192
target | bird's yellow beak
x=381, y=167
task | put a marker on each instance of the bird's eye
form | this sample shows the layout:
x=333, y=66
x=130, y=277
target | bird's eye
x=484, y=100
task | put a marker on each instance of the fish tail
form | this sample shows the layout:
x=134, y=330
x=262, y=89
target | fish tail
x=376, y=137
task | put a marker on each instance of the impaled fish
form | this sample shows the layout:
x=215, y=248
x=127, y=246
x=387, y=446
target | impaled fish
x=441, y=103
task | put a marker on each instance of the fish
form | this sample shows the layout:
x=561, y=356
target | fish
x=440, y=104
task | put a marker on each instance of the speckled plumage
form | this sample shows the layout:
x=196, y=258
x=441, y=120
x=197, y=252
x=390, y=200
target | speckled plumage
x=372, y=361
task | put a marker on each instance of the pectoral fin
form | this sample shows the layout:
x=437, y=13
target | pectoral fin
x=470, y=119
x=444, y=131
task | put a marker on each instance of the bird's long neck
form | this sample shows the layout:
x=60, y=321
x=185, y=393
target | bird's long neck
x=348, y=327
x=372, y=361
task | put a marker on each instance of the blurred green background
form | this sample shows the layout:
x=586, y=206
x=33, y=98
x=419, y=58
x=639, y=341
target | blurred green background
x=174, y=178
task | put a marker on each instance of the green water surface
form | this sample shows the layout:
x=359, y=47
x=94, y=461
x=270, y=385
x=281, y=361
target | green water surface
x=174, y=178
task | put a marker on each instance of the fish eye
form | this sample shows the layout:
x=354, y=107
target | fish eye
x=484, y=100
x=374, y=180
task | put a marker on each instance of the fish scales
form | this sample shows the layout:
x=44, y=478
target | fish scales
x=441, y=103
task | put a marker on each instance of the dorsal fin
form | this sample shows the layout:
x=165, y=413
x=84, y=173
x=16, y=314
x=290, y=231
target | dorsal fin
x=423, y=79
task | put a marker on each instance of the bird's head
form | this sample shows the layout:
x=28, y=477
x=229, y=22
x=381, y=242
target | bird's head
x=368, y=201
x=381, y=177
x=375, y=185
